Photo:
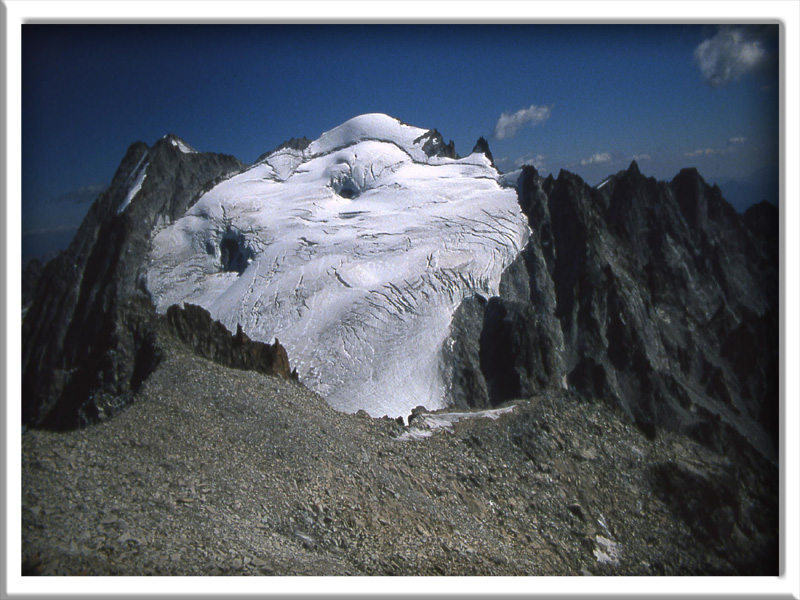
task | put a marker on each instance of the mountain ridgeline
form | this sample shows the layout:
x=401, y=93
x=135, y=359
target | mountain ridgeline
x=88, y=336
x=656, y=298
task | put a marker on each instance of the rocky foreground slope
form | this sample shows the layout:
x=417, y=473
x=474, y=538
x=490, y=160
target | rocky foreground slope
x=218, y=471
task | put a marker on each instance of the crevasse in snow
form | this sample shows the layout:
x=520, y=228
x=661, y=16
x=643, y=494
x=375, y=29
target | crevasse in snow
x=354, y=253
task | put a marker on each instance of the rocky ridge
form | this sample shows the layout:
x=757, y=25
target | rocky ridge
x=210, y=339
x=79, y=357
x=656, y=297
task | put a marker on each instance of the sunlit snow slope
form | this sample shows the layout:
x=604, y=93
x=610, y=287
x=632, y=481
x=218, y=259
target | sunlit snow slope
x=354, y=253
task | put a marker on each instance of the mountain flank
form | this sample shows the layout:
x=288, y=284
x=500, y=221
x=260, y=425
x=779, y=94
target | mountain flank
x=654, y=296
x=85, y=326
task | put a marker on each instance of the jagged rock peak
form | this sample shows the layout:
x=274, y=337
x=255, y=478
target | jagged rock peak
x=529, y=172
x=569, y=178
x=763, y=216
x=433, y=144
x=482, y=146
x=135, y=152
x=633, y=168
x=78, y=338
x=688, y=175
x=174, y=141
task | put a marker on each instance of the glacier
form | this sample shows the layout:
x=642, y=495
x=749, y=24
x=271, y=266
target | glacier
x=353, y=252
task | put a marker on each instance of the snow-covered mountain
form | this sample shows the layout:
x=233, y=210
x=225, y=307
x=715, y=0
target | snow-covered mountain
x=396, y=274
x=354, y=251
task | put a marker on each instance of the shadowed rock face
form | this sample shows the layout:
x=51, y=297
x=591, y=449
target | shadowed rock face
x=656, y=297
x=31, y=272
x=78, y=350
x=433, y=145
x=482, y=146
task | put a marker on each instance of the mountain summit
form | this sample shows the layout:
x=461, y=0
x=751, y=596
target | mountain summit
x=355, y=251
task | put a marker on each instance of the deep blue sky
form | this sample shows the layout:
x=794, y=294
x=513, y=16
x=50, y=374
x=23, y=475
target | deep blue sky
x=584, y=98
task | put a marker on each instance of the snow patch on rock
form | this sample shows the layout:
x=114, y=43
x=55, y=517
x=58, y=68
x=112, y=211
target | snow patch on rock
x=135, y=182
x=427, y=423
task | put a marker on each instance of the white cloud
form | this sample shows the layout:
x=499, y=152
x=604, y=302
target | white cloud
x=728, y=55
x=510, y=123
x=730, y=148
x=596, y=159
x=703, y=152
x=537, y=160
x=641, y=157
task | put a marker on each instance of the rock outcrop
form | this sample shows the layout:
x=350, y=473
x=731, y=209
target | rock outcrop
x=79, y=353
x=433, y=144
x=656, y=297
x=482, y=146
x=210, y=339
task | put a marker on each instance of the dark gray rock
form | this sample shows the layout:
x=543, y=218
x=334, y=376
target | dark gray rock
x=433, y=144
x=31, y=272
x=519, y=356
x=652, y=279
x=511, y=346
x=77, y=347
x=462, y=358
x=210, y=339
x=655, y=297
x=482, y=146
